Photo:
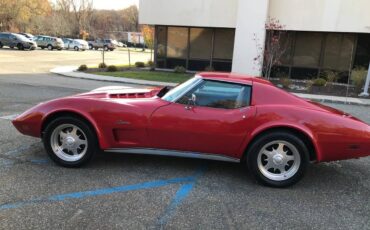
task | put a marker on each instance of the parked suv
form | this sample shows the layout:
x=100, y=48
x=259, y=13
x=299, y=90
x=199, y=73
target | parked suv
x=106, y=44
x=16, y=40
x=49, y=42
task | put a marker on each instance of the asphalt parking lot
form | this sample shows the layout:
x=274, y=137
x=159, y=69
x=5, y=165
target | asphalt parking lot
x=41, y=61
x=117, y=191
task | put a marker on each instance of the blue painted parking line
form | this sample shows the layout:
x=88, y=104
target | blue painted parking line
x=106, y=191
x=180, y=196
x=39, y=161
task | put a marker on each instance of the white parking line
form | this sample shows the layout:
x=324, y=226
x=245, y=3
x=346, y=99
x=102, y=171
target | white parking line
x=9, y=117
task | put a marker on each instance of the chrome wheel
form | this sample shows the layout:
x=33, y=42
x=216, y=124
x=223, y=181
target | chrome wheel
x=278, y=160
x=69, y=142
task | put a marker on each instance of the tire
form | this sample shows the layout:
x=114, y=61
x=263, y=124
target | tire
x=96, y=48
x=90, y=47
x=76, y=48
x=105, y=48
x=276, y=150
x=111, y=49
x=79, y=144
x=1, y=45
x=20, y=46
x=50, y=47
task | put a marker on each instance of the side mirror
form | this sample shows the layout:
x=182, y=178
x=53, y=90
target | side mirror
x=191, y=102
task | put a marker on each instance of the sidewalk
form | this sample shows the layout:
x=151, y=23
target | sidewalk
x=70, y=71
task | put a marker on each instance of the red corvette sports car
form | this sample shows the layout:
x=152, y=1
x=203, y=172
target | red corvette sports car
x=216, y=116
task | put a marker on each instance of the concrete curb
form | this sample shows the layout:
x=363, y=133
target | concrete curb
x=70, y=71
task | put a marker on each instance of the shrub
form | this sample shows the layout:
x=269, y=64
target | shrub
x=180, y=69
x=209, y=69
x=151, y=63
x=319, y=82
x=82, y=68
x=330, y=76
x=309, y=84
x=285, y=82
x=102, y=65
x=358, y=77
x=139, y=64
x=112, y=68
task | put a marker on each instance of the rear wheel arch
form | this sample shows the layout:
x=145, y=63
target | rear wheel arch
x=313, y=155
x=51, y=117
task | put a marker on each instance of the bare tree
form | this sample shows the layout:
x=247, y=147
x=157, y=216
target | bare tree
x=78, y=13
x=275, y=46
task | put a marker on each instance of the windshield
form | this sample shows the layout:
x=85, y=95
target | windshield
x=179, y=90
x=21, y=38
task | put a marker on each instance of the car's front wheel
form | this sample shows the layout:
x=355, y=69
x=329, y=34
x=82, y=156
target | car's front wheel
x=20, y=46
x=70, y=141
x=278, y=159
x=76, y=48
x=50, y=47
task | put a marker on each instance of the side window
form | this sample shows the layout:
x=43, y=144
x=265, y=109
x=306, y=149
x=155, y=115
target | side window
x=221, y=95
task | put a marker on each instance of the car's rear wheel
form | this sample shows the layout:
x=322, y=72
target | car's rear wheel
x=90, y=47
x=106, y=48
x=278, y=159
x=70, y=141
x=50, y=47
x=76, y=48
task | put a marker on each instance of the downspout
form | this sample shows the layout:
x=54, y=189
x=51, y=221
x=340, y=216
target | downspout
x=366, y=86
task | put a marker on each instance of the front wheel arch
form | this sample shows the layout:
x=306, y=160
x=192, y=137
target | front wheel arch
x=47, y=120
x=303, y=136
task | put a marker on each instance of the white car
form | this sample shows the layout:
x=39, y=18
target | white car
x=77, y=44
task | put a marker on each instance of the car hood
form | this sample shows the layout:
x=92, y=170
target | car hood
x=122, y=92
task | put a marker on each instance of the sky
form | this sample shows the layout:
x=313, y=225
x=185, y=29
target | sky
x=114, y=4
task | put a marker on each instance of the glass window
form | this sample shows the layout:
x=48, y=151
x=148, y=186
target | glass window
x=338, y=51
x=363, y=50
x=161, y=41
x=224, y=44
x=285, y=45
x=177, y=46
x=307, y=49
x=200, y=43
x=221, y=95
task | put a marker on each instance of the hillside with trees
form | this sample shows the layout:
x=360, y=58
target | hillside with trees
x=66, y=18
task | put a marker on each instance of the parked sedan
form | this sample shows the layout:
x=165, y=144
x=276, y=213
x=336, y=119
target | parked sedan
x=77, y=44
x=215, y=116
x=16, y=40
